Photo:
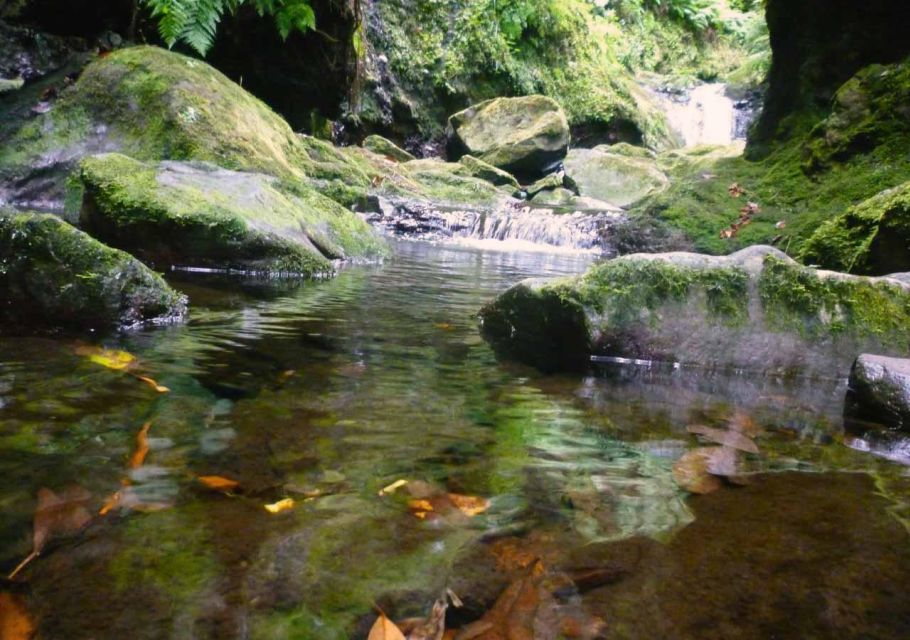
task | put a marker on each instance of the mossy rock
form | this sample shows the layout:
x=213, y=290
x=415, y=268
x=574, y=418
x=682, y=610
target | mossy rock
x=479, y=169
x=197, y=214
x=526, y=136
x=868, y=110
x=387, y=148
x=620, y=178
x=54, y=275
x=755, y=310
x=153, y=104
x=871, y=238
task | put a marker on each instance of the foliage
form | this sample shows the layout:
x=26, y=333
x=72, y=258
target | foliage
x=12, y=8
x=195, y=22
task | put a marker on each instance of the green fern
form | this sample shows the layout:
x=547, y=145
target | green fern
x=195, y=22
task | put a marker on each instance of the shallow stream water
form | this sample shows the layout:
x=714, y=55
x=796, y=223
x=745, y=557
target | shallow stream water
x=328, y=392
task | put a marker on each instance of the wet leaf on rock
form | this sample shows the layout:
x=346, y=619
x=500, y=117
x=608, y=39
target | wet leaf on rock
x=725, y=437
x=385, y=629
x=218, y=483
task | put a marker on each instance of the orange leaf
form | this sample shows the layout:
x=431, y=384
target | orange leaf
x=469, y=505
x=15, y=623
x=385, y=629
x=154, y=385
x=218, y=483
x=142, y=447
x=444, y=326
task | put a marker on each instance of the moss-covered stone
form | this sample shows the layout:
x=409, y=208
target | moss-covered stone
x=871, y=238
x=387, y=148
x=197, y=214
x=525, y=136
x=54, y=275
x=621, y=178
x=479, y=169
x=755, y=309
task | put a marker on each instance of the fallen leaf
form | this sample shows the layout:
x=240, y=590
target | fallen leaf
x=218, y=483
x=281, y=505
x=691, y=473
x=154, y=385
x=433, y=627
x=142, y=447
x=444, y=326
x=469, y=505
x=781, y=224
x=420, y=507
x=735, y=190
x=728, y=438
x=15, y=622
x=385, y=629
x=392, y=488
x=110, y=358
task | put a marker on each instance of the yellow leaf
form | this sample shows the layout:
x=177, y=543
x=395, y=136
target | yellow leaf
x=281, y=505
x=218, y=483
x=385, y=629
x=392, y=488
x=420, y=505
x=469, y=505
x=110, y=358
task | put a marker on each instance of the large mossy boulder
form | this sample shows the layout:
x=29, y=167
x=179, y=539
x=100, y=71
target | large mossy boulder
x=197, y=214
x=755, y=309
x=153, y=104
x=871, y=238
x=53, y=275
x=526, y=136
x=620, y=177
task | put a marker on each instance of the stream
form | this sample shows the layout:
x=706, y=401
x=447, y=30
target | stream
x=327, y=392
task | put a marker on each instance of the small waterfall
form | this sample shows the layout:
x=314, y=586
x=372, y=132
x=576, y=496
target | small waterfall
x=514, y=225
x=704, y=115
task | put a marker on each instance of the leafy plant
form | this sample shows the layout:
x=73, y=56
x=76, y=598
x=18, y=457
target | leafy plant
x=195, y=22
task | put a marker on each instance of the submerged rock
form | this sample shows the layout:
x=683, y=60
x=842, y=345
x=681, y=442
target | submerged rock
x=526, y=136
x=54, y=275
x=621, y=176
x=387, y=148
x=756, y=309
x=880, y=391
x=871, y=238
x=197, y=214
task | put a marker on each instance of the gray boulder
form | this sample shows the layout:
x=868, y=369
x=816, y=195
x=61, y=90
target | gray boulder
x=756, y=309
x=880, y=391
x=616, y=176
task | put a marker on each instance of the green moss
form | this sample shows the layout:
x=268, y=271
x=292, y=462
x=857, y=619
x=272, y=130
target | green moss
x=623, y=288
x=201, y=215
x=54, y=274
x=798, y=298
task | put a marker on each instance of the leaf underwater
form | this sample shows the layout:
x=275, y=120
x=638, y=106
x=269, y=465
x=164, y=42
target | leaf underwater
x=114, y=359
x=219, y=483
x=280, y=506
x=15, y=622
x=725, y=437
x=385, y=629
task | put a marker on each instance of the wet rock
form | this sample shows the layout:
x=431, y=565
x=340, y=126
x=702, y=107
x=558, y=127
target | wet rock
x=54, y=275
x=387, y=148
x=756, y=309
x=525, y=136
x=152, y=104
x=556, y=180
x=26, y=54
x=197, y=214
x=871, y=238
x=880, y=391
x=620, y=176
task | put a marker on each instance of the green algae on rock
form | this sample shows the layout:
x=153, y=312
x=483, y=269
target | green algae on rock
x=525, y=136
x=479, y=169
x=55, y=275
x=871, y=238
x=197, y=214
x=387, y=148
x=755, y=309
x=621, y=178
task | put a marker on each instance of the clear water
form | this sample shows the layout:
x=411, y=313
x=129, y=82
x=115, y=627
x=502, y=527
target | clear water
x=327, y=392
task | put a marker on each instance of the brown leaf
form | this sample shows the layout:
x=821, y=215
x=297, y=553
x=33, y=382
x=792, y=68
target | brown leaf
x=691, y=473
x=61, y=514
x=735, y=190
x=219, y=483
x=434, y=626
x=385, y=629
x=725, y=437
x=469, y=505
x=15, y=622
